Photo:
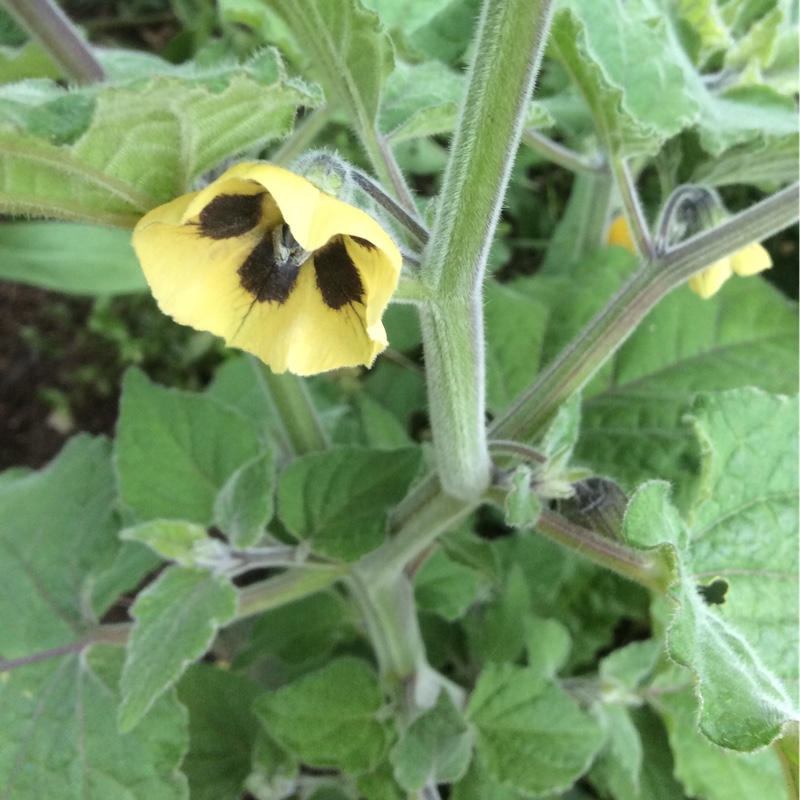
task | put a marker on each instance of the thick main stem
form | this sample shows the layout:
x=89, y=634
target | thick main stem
x=509, y=46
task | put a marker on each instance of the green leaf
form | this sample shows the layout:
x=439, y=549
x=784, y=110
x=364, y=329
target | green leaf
x=288, y=647
x=708, y=771
x=147, y=141
x=339, y=499
x=174, y=540
x=743, y=532
x=382, y=429
x=329, y=718
x=222, y=731
x=245, y=503
x=239, y=384
x=60, y=735
x=176, y=450
x=176, y=619
x=547, y=643
x=634, y=111
x=435, y=748
x=744, y=525
x=44, y=109
x=753, y=162
x=633, y=424
x=532, y=735
x=496, y=630
x=656, y=780
x=57, y=528
x=351, y=54
x=78, y=259
x=515, y=328
x=522, y=505
x=420, y=100
x=26, y=62
x=446, y=587
x=618, y=766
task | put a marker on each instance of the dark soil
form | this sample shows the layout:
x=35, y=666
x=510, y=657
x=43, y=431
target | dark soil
x=44, y=397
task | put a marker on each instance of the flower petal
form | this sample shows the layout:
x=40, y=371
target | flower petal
x=620, y=234
x=751, y=260
x=709, y=281
x=306, y=336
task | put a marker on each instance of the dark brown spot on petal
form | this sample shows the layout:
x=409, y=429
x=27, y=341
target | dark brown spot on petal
x=337, y=277
x=365, y=243
x=230, y=215
x=264, y=278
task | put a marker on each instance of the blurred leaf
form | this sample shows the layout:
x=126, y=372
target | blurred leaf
x=176, y=450
x=634, y=111
x=329, y=718
x=43, y=108
x=618, y=765
x=446, y=587
x=420, y=100
x=522, y=505
x=64, y=257
x=222, y=731
x=339, y=499
x=350, y=53
x=712, y=772
x=176, y=618
x=27, y=61
x=60, y=735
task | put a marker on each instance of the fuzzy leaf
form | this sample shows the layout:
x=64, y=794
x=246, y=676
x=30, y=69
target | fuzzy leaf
x=147, y=140
x=435, y=748
x=351, y=54
x=532, y=736
x=743, y=533
x=60, y=735
x=176, y=450
x=339, y=498
x=57, y=528
x=245, y=503
x=222, y=731
x=634, y=110
x=329, y=717
x=176, y=618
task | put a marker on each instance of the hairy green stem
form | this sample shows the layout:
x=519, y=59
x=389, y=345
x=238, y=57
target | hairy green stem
x=286, y=587
x=644, y=568
x=300, y=425
x=302, y=137
x=579, y=361
x=634, y=213
x=508, y=52
x=48, y=24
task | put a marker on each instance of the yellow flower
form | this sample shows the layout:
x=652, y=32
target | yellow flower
x=747, y=261
x=620, y=234
x=274, y=266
